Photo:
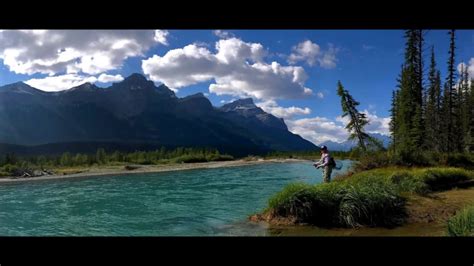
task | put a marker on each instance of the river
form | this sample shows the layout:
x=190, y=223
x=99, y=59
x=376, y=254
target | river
x=205, y=202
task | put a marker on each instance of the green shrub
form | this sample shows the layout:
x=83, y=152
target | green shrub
x=462, y=224
x=4, y=173
x=10, y=169
x=460, y=160
x=345, y=204
x=219, y=157
x=407, y=182
x=190, y=159
x=375, y=204
x=444, y=178
x=371, y=160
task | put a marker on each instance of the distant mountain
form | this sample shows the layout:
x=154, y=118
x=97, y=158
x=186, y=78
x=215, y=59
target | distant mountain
x=136, y=111
x=349, y=144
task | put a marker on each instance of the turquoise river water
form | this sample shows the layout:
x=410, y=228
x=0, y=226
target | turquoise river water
x=204, y=202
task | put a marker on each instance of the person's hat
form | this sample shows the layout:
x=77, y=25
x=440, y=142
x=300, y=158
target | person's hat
x=323, y=148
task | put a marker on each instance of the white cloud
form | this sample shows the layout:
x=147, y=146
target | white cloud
x=68, y=81
x=470, y=68
x=461, y=66
x=90, y=51
x=321, y=129
x=104, y=78
x=318, y=129
x=312, y=54
x=237, y=69
x=283, y=112
x=376, y=124
x=328, y=59
x=320, y=95
x=161, y=36
x=59, y=83
x=223, y=34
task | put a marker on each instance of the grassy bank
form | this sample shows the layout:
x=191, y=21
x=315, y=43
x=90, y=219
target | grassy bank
x=462, y=224
x=370, y=198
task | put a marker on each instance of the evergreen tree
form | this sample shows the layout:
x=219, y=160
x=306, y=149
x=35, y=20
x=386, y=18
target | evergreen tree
x=451, y=109
x=405, y=112
x=465, y=106
x=470, y=118
x=66, y=159
x=101, y=156
x=394, y=113
x=432, y=107
x=357, y=120
x=409, y=126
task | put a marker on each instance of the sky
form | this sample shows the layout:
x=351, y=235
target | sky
x=290, y=73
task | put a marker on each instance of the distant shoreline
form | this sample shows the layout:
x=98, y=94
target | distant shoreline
x=145, y=169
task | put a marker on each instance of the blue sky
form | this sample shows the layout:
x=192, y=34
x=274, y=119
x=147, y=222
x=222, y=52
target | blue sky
x=300, y=87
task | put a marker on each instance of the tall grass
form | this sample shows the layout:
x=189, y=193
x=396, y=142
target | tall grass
x=371, y=198
x=418, y=180
x=341, y=204
x=462, y=224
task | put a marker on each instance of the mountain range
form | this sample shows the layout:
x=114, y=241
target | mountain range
x=133, y=114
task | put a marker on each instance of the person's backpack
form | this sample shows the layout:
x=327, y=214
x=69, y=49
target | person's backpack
x=332, y=162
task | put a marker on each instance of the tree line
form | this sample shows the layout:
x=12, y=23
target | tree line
x=102, y=157
x=429, y=116
x=432, y=116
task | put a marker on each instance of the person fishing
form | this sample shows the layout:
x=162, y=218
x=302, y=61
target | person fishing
x=327, y=163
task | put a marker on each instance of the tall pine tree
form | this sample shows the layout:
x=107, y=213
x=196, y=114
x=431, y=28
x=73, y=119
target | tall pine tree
x=357, y=120
x=450, y=125
x=470, y=108
x=394, y=114
x=463, y=103
x=409, y=126
x=432, y=107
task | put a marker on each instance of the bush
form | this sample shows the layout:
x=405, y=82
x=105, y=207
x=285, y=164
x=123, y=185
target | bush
x=377, y=204
x=306, y=204
x=462, y=224
x=406, y=182
x=190, y=159
x=460, y=160
x=344, y=204
x=131, y=167
x=220, y=157
x=4, y=173
x=373, y=160
x=445, y=178
x=10, y=169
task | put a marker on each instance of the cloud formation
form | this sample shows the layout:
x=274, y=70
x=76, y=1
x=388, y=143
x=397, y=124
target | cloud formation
x=61, y=82
x=237, y=68
x=311, y=53
x=283, y=112
x=73, y=51
x=223, y=34
x=321, y=129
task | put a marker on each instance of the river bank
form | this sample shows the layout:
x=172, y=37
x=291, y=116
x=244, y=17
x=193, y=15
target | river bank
x=427, y=216
x=109, y=170
x=408, y=202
